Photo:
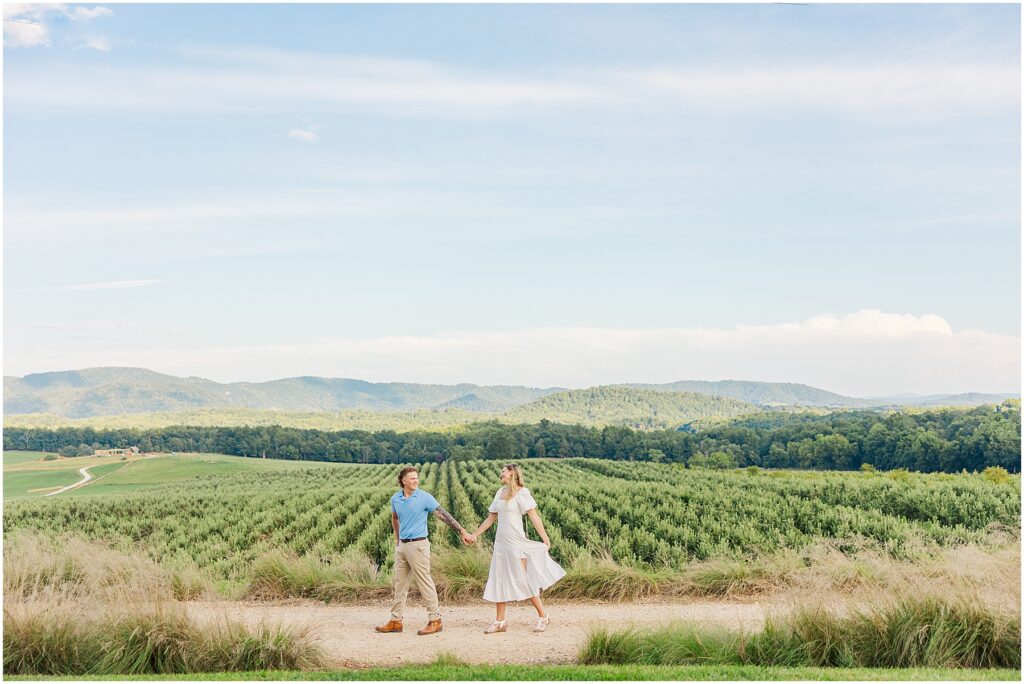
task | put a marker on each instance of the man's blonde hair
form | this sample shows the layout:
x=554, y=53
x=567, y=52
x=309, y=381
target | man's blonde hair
x=403, y=472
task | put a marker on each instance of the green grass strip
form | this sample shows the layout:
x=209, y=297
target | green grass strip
x=436, y=672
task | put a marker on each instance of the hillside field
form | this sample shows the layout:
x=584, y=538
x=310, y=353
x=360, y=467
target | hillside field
x=227, y=511
x=27, y=475
x=157, y=545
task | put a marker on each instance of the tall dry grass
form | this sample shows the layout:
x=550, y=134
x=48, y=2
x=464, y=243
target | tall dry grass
x=73, y=607
x=39, y=568
x=283, y=574
x=133, y=639
x=67, y=568
x=956, y=631
x=847, y=603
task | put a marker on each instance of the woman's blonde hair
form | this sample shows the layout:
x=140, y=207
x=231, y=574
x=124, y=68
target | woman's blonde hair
x=515, y=483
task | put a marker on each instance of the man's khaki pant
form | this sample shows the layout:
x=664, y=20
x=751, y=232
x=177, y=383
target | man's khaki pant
x=412, y=561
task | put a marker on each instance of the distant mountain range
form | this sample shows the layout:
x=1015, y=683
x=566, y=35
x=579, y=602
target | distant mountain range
x=643, y=409
x=964, y=399
x=598, y=406
x=761, y=393
x=116, y=391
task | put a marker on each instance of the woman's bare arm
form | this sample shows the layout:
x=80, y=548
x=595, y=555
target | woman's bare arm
x=538, y=525
x=488, y=521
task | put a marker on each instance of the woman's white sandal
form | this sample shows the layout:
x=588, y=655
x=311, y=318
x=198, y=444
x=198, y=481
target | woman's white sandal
x=542, y=624
x=497, y=626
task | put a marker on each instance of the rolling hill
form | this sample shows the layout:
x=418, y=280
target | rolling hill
x=113, y=391
x=762, y=393
x=597, y=406
x=937, y=400
x=627, y=406
x=96, y=396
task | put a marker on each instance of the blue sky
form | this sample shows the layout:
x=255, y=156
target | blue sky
x=547, y=195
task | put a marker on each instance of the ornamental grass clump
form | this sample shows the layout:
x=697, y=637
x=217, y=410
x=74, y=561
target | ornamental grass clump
x=281, y=574
x=460, y=574
x=603, y=579
x=67, y=568
x=144, y=639
x=928, y=631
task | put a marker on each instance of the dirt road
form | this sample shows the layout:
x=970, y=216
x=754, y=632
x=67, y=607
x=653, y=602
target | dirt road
x=86, y=476
x=347, y=635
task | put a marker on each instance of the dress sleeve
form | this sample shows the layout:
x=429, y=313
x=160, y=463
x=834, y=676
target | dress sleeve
x=495, y=506
x=525, y=501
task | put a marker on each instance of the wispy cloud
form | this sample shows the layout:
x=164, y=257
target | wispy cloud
x=28, y=25
x=306, y=135
x=24, y=33
x=88, y=325
x=894, y=89
x=36, y=223
x=115, y=285
x=79, y=13
x=863, y=353
x=40, y=224
x=109, y=285
x=96, y=43
x=260, y=79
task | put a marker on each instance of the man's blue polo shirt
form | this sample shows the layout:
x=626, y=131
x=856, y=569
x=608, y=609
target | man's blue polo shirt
x=412, y=512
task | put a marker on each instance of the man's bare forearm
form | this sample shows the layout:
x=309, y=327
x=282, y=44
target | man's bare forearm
x=446, y=517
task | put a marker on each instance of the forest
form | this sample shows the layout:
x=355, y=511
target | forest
x=940, y=440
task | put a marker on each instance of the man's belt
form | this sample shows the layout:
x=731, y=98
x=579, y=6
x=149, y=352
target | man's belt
x=406, y=541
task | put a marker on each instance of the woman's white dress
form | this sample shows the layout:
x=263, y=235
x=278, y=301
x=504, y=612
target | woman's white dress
x=507, y=580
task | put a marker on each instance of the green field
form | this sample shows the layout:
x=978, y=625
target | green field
x=15, y=457
x=36, y=483
x=227, y=511
x=266, y=529
x=27, y=475
x=26, y=470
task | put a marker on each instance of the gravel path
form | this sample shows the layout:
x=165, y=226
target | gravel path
x=346, y=631
x=86, y=476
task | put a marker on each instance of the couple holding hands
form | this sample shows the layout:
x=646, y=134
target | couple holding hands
x=520, y=567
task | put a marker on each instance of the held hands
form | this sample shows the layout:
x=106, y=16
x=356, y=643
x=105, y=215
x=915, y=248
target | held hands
x=468, y=538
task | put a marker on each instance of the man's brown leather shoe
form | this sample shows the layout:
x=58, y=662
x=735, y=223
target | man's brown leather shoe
x=433, y=627
x=392, y=626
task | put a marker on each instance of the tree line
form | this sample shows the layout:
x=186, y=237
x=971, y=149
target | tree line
x=943, y=440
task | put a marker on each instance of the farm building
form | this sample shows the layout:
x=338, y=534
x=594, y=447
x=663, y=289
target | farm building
x=130, y=451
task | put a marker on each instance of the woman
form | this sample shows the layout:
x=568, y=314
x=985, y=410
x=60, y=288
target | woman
x=520, y=568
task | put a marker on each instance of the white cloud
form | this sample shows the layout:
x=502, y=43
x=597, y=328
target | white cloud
x=115, y=285
x=36, y=222
x=28, y=25
x=250, y=80
x=40, y=224
x=303, y=135
x=260, y=80
x=868, y=352
x=24, y=33
x=889, y=89
x=109, y=285
x=96, y=43
x=89, y=325
x=79, y=13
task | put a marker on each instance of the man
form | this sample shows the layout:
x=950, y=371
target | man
x=409, y=508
